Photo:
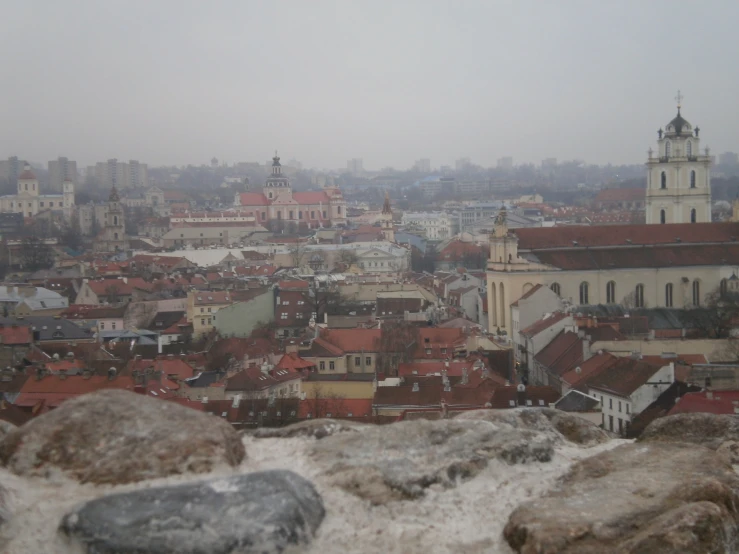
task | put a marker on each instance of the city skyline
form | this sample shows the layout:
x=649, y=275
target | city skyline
x=343, y=81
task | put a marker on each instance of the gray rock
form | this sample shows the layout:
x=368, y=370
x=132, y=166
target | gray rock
x=637, y=498
x=317, y=428
x=556, y=424
x=253, y=513
x=717, y=432
x=114, y=436
x=400, y=461
x=5, y=428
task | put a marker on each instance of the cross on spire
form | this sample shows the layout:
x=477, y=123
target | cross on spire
x=679, y=99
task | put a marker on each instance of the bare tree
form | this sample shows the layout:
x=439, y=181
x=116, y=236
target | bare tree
x=297, y=252
x=715, y=319
x=398, y=340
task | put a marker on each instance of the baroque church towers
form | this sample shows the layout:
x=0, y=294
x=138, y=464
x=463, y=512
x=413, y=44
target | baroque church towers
x=678, y=175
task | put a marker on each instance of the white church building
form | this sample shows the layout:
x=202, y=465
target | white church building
x=674, y=261
x=29, y=202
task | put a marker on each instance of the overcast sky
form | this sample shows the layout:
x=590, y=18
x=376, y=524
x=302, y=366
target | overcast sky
x=387, y=81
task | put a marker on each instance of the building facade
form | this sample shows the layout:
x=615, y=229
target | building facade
x=112, y=237
x=278, y=202
x=678, y=176
x=29, y=202
x=436, y=225
x=62, y=170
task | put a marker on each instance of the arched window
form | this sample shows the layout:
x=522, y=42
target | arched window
x=26, y=186
x=696, y=293
x=668, y=148
x=692, y=215
x=584, y=298
x=115, y=236
x=668, y=295
x=611, y=292
x=724, y=287
x=556, y=288
x=689, y=149
x=692, y=179
x=663, y=180
x=639, y=296
x=662, y=216
x=115, y=220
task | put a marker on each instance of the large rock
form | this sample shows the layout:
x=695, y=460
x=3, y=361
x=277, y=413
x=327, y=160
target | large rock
x=717, y=432
x=637, y=498
x=253, y=513
x=555, y=423
x=316, y=428
x=402, y=460
x=114, y=436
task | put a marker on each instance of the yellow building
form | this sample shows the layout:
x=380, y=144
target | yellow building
x=202, y=306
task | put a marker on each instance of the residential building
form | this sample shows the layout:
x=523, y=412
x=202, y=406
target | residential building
x=25, y=300
x=112, y=291
x=627, y=388
x=120, y=174
x=621, y=199
x=241, y=318
x=533, y=305
x=506, y=162
x=436, y=225
x=202, y=306
x=678, y=176
x=62, y=170
x=265, y=381
x=10, y=169
x=278, y=202
x=355, y=166
x=435, y=185
x=422, y=166
x=462, y=164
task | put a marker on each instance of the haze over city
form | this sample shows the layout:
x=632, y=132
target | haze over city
x=324, y=82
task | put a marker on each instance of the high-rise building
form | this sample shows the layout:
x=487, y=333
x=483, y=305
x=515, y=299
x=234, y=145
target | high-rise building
x=462, y=164
x=549, y=163
x=423, y=165
x=729, y=159
x=355, y=166
x=62, y=170
x=506, y=162
x=678, y=176
x=10, y=169
x=121, y=174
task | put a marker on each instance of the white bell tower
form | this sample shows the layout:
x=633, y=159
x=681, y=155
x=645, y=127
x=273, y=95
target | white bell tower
x=678, y=176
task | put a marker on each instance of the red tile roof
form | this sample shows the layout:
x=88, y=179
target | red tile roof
x=291, y=360
x=565, y=352
x=210, y=297
x=253, y=199
x=510, y=397
x=431, y=395
x=118, y=286
x=312, y=197
x=12, y=334
x=174, y=366
x=624, y=377
x=297, y=284
x=589, y=369
x=682, y=358
x=720, y=402
x=542, y=324
x=163, y=261
x=254, y=379
x=353, y=340
x=536, y=238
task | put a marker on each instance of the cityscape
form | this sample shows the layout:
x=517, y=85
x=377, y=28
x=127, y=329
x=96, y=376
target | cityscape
x=242, y=348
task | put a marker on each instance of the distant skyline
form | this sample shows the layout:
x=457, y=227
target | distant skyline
x=169, y=83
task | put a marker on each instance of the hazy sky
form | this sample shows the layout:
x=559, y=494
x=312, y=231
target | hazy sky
x=387, y=81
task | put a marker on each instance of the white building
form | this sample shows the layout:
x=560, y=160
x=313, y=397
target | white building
x=678, y=177
x=29, y=202
x=436, y=225
x=120, y=174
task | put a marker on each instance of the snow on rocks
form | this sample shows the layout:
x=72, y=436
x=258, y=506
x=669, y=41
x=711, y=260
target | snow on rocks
x=252, y=513
x=657, y=498
x=402, y=460
x=113, y=436
x=317, y=428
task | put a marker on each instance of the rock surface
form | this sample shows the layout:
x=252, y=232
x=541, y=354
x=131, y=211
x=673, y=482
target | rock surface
x=717, y=432
x=636, y=498
x=317, y=428
x=253, y=513
x=114, y=436
x=555, y=423
x=400, y=461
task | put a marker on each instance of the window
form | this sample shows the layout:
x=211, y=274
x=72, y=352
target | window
x=324, y=214
x=209, y=310
x=368, y=361
x=312, y=214
x=668, y=295
x=555, y=288
x=332, y=365
x=202, y=321
x=663, y=180
x=299, y=315
x=115, y=236
x=692, y=179
x=322, y=365
x=443, y=350
x=292, y=214
x=115, y=221
x=639, y=296
x=202, y=310
x=689, y=149
x=51, y=204
x=357, y=360
x=627, y=407
x=428, y=351
x=112, y=326
x=696, y=293
x=610, y=422
x=283, y=315
x=584, y=298
x=668, y=151
x=619, y=405
x=102, y=325
x=693, y=215
x=610, y=403
x=662, y=216
x=300, y=215
x=611, y=292
x=41, y=204
x=264, y=215
x=286, y=303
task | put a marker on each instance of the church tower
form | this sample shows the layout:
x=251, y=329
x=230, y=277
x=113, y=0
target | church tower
x=678, y=176
x=277, y=184
x=113, y=236
x=388, y=231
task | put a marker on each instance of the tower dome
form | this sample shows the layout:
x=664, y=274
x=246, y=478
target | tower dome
x=679, y=126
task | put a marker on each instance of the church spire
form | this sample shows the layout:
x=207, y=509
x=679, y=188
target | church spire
x=114, y=195
x=386, y=209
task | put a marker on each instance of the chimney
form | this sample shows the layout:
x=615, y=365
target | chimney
x=236, y=401
x=86, y=374
x=415, y=388
x=159, y=344
x=444, y=378
x=709, y=395
x=205, y=400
